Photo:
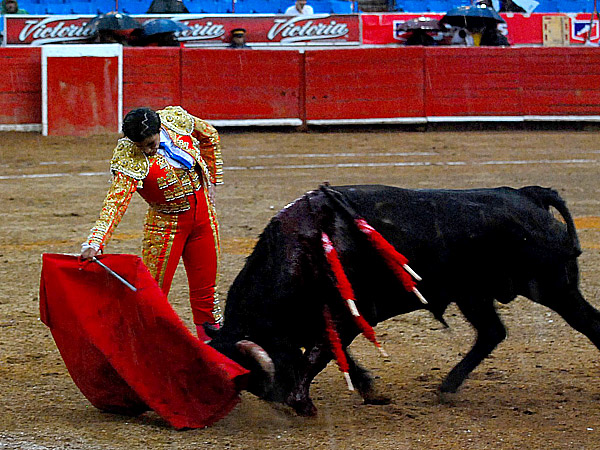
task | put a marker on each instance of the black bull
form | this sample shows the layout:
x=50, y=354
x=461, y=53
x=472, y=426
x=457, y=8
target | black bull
x=471, y=247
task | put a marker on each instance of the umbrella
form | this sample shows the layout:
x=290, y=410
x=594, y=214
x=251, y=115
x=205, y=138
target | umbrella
x=113, y=21
x=157, y=26
x=420, y=23
x=472, y=17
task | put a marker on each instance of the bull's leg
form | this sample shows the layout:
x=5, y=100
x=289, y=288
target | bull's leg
x=578, y=313
x=364, y=384
x=490, y=332
x=316, y=360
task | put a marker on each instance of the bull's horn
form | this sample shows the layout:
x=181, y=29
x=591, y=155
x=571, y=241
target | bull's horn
x=256, y=352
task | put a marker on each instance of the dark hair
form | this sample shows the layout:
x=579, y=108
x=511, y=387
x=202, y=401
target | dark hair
x=140, y=124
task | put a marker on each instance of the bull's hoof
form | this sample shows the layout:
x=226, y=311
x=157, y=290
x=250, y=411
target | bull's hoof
x=446, y=397
x=449, y=387
x=303, y=407
x=373, y=397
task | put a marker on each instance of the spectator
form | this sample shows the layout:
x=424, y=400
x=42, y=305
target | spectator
x=420, y=37
x=11, y=7
x=491, y=36
x=167, y=6
x=300, y=8
x=112, y=37
x=461, y=36
x=167, y=39
x=510, y=6
x=238, y=38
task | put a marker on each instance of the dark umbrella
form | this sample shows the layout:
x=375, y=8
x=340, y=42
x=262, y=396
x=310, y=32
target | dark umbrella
x=420, y=23
x=112, y=21
x=158, y=26
x=472, y=17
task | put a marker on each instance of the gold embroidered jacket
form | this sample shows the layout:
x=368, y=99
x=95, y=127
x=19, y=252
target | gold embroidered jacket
x=163, y=186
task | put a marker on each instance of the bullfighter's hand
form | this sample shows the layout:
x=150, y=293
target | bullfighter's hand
x=89, y=252
x=211, y=194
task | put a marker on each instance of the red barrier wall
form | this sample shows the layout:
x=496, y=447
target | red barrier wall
x=364, y=83
x=472, y=82
x=151, y=77
x=241, y=84
x=337, y=86
x=558, y=81
x=20, y=85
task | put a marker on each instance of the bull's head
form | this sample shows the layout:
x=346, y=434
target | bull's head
x=250, y=356
x=273, y=375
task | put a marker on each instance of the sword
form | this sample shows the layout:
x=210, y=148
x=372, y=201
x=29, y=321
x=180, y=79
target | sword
x=115, y=274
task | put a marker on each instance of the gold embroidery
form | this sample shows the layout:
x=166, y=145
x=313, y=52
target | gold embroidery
x=205, y=139
x=176, y=185
x=209, y=144
x=115, y=204
x=159, y=234
x=177, y=119
x=128, y=159
x=214, y=223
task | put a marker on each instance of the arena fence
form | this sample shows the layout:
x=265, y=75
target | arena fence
x=316, y=87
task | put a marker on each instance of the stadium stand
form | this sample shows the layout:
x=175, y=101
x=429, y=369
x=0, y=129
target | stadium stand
x=278, y=6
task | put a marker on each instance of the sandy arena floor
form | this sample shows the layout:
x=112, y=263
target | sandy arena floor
x=539, y=390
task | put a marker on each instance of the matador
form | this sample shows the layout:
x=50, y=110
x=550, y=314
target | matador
x=173, y=160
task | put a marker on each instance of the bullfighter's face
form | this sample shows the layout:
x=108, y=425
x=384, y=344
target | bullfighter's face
x=149, y=146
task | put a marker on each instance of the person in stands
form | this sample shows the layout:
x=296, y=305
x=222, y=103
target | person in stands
x=238, y=38
x=486, y=3
x=166, y=39
x=420, y=37
x=173, y=160
x=461, y=36
x=167, y=6
x=510, y=6
x=300, y=8
x=11, y=7
x=112, y=37
x=492, y=36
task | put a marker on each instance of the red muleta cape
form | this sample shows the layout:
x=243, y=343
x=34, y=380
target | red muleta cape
x=129, y=352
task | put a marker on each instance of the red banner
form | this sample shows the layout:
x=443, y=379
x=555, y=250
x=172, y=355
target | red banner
x=321, y=29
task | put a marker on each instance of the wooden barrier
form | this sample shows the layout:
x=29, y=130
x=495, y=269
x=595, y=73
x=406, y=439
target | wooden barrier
x=560, y=82
x=151, y=77
x=382, y=85
x=82, y=89
x=359, y=85
x=20, y=87
x=470, y=83
x=242, y=87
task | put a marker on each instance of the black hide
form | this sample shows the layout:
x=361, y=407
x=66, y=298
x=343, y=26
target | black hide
x=470, y=247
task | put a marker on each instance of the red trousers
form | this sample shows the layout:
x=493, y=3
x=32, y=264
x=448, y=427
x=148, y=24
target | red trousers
x=192, y=235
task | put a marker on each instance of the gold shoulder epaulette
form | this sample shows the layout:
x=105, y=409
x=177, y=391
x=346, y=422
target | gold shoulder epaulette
x=177, y=119
x=127, y=159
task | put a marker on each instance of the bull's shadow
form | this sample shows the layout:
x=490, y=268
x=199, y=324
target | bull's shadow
x=471, y=247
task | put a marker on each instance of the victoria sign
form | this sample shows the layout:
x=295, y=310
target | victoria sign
x=321, y=29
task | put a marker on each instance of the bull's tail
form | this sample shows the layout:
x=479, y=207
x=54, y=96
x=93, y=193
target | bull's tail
x=545, y=198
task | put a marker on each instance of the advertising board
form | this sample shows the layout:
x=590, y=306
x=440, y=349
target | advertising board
x=212, y=30
x=521, y=29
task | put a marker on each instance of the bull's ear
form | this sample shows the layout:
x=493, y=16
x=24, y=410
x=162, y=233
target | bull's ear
x=257, y=353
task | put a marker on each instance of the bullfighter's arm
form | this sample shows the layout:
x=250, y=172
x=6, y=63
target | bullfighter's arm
x=115, y=204
x=210, y=149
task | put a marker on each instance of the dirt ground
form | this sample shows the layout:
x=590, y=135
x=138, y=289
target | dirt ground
x=539, y=390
